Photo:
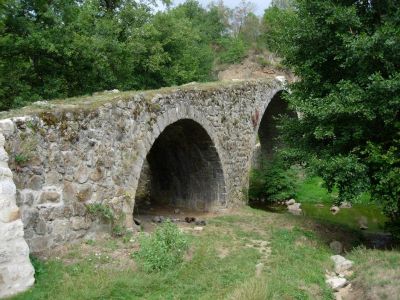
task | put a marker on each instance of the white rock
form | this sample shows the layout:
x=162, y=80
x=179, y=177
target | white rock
x=335, y=210
x=345, y=204
x=336, y=283
x=341, y=264
x=290, y=202
x=336, y=247
x=281, y=79
x=259, y=268
x=7, y=126
x=198, y=228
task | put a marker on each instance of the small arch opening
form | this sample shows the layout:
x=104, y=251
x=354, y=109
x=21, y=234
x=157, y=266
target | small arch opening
x=270, y=180
x=268, y=132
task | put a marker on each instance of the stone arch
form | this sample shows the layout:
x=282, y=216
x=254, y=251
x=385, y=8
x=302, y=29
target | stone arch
x=183, y=155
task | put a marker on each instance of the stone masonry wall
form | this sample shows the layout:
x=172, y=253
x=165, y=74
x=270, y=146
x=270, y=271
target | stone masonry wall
x=65, y=156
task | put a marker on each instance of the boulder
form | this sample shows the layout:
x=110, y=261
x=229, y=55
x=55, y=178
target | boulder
x=295, y=209
x=290, y=202
x=200, y=223
x=345, y=204
x=259, y=268
x=336, y=282
x=336, y=247
x=198, y=228
x=341, y=264
x=335, y=209
x=50, y=196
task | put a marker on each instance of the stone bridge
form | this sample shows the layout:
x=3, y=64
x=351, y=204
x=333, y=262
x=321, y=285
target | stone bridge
x=188, y=147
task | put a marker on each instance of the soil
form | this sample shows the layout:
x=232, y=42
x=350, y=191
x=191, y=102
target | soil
x=254, y=66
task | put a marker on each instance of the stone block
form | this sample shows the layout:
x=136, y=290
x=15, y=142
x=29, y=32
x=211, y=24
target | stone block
x=7, y=127
x=82, y=174
x=79, y=223
x=50, y=196
x=35, y=183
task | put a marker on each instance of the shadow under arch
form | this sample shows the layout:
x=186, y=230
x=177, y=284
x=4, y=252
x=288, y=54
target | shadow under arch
x=182, y=169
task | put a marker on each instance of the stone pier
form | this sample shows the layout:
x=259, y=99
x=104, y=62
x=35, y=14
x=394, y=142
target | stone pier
x=16, y=271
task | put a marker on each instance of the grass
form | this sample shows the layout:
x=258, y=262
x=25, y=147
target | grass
x=378, y=273
x=220, y=264
x=310, y=192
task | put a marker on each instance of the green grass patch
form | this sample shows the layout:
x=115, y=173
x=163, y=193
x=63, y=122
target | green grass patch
x=219, y=264
x=312, y=190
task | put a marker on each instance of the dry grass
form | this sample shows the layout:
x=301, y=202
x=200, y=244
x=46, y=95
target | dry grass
x=377, y=273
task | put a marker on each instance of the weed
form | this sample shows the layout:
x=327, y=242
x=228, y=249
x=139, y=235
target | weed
x=163, y=249
x=21, y=158
x=273, y=182
x=100, y=210
x=105, y=212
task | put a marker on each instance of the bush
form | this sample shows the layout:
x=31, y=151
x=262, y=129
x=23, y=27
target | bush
x=273, y=181
x=234, y=50
x=163, y=249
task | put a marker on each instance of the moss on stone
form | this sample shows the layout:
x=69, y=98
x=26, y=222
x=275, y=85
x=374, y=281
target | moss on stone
x=48, y=118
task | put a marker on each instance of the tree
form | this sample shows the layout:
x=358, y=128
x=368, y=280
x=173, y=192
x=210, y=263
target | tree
x=250, y=31
x=282, y=4
x=275, y=26
x=239, y=15
x=347, y=57
x=64, y=48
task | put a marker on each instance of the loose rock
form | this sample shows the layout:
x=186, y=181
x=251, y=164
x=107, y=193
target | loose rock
x=295, y=209
x=336, y=247
x=341, y=264
x=200, y=223
x=336, y=282
x=345, y=204
x=290, y=202
x=259, y=268
x=335, y=209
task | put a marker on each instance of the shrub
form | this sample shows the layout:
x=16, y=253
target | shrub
x=234, y=50
x=273, y=181
x=163, y=249
x=109, y=215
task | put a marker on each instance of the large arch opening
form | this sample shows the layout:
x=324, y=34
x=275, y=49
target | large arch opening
x=182, y=170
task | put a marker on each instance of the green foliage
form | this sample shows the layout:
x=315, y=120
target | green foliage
x=40, y=269
x=69, y=48
x=273, y=181
x=163, y=249
x=234, y=50
x=347, y=56
x=105, y=212
x=276, y=24
x=100, y=210
x=21, y=158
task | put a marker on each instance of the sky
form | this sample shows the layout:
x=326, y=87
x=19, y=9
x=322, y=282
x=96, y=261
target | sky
x=260, y=4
